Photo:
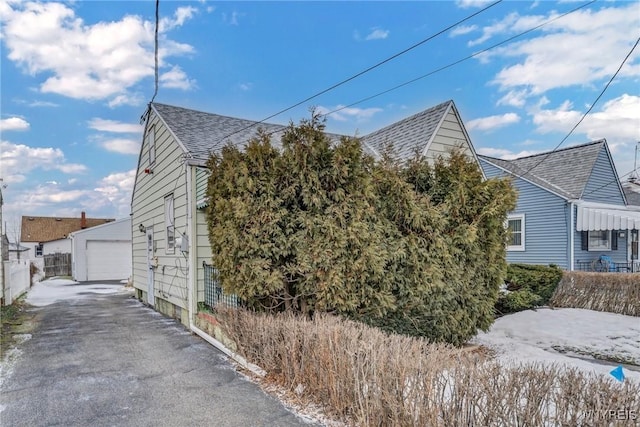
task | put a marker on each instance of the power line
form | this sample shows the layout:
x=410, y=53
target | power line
x=452, y=64
x=322, y=92
x=155, y=53
x=588, y=110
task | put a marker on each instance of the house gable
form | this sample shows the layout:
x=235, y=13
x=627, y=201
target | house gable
x=603, y=185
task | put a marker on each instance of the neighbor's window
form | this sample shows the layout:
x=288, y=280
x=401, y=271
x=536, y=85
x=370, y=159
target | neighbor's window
x=600, y=240
x=151, y=143
x=39, y=249
x=169, y=221
x=515, y=227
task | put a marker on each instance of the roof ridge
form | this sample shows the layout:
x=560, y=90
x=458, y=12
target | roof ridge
x=573, y=147
x=219, y=115
x=411, y=117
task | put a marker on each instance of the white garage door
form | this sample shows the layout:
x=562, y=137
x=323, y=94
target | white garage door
x=108, y=260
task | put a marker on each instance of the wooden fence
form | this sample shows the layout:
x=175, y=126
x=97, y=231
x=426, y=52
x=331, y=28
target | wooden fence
x=57, y=265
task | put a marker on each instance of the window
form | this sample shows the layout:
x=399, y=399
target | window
x=169, y=223
x=39, y=249
x=151, y=143
x=600, y=240
x=515, y=227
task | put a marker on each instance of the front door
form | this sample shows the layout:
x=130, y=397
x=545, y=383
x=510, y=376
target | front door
x=150, y=267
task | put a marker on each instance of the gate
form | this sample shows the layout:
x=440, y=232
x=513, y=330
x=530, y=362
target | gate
x=213, y=294
x=57, y=264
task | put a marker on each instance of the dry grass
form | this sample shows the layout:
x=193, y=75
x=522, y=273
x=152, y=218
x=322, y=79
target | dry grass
x=611, y=292
x=367, y=378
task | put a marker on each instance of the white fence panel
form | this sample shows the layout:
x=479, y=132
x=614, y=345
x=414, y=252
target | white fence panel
x=16, y=279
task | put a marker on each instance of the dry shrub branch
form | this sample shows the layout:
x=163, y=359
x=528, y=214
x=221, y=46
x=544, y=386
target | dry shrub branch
x=610, y=292
x=368, y=378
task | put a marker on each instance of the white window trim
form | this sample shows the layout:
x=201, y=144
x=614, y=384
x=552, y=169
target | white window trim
x=169, y=220
x=521, y=246
x=599, y=249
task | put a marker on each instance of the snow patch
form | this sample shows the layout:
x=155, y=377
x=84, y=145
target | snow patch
x=556, y=336
x=53, y=290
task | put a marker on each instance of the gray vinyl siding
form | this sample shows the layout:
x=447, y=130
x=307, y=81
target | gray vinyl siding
x=202, y=176
x=150, y=190
x=448, y=136
x=602, y=186
x=546, y=221
x=203, y=250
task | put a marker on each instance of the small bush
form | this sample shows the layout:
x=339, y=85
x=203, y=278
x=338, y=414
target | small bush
x=528, y=286
x=523, y=299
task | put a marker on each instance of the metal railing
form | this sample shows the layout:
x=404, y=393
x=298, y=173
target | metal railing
x=602, y=266
x=213, y=293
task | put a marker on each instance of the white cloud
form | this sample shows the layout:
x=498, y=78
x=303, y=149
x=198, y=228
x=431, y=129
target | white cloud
x=347, y=113
x=180, y=16
x=514, y=98
x=505, y=154
x=121, y=145
x=18, y=159
x=245, y=86
x=465, y=4
x=493, y=122
x=115, y=189
x=617, y=120
x=13, y=123
x=105, y=125
x=127, y=99
x=377, y=34
x=579, y=49
x=176, y=79
x=232, y=19
x=461, y=30
x=43, y=104
x=92, y=62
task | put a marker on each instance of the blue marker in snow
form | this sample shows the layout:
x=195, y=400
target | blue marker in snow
x=618, y=374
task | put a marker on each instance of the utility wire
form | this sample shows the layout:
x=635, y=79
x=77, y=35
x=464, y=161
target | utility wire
x=155, y=53
x=588, y=110
x=452, y=64
x=322, y=92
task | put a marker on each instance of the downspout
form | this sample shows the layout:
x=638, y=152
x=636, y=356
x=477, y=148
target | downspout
x=191, y=288
x=572, y=237
x=191, y=239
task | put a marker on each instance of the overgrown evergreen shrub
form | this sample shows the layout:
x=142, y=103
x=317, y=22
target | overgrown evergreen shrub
x=319, y=226
x=528, y=286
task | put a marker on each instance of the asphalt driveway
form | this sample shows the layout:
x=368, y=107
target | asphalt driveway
x=107, y=360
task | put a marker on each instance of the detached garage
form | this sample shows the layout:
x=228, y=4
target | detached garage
x=102, y=252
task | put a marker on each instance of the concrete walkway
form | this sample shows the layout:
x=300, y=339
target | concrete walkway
x=107, y=360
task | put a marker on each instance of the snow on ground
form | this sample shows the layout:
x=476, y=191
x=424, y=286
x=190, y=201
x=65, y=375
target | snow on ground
x=567, y=336
x=49, y=291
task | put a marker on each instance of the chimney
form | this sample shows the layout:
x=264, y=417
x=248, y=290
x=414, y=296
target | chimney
x=83, y=220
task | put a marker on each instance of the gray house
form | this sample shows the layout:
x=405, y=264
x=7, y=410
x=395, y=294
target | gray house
x=571, y=210
x=170, y=242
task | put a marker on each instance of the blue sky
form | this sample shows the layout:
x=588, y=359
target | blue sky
x=76, y=77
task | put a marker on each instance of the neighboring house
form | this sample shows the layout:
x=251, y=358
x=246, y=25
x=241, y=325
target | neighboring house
x=48, y=235
x=102, y=252
x=631, y=189
x=170, y=238
x=571, y=209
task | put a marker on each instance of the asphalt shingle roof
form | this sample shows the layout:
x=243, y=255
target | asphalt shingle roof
x=202, y=133
x=410, y=134
x=46, y=229
x=565, y=171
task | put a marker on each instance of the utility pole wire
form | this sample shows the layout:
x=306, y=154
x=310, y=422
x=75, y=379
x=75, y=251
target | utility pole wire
x=588, y=110
x=155, y=92
x=364, y=71
x=429, y=73
x=473, y=55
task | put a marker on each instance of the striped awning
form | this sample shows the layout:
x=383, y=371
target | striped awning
x=596, y=218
